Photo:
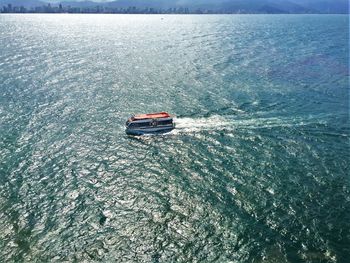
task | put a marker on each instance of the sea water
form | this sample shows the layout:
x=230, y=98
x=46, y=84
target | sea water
x=257, y=169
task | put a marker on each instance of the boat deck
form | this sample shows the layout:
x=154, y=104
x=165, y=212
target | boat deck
x=151, y=116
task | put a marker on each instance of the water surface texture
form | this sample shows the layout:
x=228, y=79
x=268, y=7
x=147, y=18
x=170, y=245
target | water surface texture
x=256, y=171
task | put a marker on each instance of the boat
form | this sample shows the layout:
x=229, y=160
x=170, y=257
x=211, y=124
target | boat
x=150, y=123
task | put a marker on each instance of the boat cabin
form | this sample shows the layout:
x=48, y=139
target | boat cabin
x=149, y=123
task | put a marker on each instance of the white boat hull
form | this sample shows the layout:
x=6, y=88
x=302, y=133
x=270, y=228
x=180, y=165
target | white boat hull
x=151, y=130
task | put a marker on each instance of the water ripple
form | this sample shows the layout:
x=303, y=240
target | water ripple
x=255, y=171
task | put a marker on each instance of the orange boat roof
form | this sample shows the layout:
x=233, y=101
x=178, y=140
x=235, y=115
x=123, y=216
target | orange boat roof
x=152, y=116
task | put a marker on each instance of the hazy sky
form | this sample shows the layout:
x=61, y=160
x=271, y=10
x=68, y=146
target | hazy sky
x=77, y=0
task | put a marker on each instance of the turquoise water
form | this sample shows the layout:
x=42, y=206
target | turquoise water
x=256, y=171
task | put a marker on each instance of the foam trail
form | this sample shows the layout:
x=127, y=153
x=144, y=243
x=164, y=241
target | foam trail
x=216, y=122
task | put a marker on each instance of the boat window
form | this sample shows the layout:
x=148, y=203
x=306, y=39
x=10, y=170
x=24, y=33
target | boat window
x=167, y=122
x=136, y=125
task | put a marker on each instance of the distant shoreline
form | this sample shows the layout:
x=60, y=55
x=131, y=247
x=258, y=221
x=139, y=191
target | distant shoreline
x=101, y=9
x=71, y=13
